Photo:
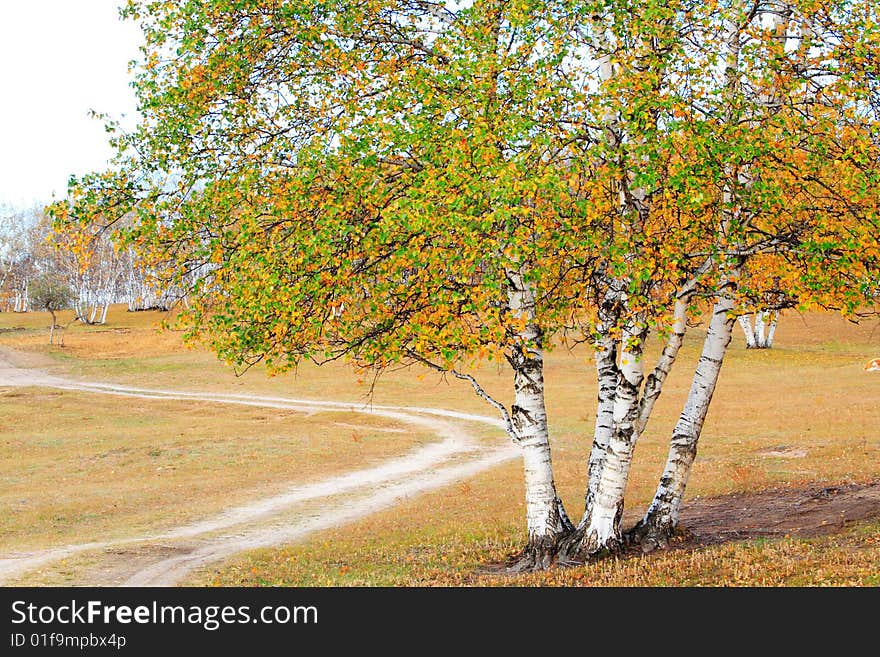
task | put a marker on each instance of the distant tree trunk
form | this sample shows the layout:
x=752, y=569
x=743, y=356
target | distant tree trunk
x=130, y=291
x=760, y=338
x=22, y=298
x=761, y=335
x=771, y=331
x=748, y=331
x=662, y=515
x=52, y=328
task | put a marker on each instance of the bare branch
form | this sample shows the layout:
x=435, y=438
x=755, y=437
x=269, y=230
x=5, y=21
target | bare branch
x=501, y=408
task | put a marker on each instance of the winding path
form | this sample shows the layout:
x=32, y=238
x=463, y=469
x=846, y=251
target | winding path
x=165, y=558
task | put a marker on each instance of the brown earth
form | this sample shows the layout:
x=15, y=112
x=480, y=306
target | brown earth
x=792, y=511
x=816, y=510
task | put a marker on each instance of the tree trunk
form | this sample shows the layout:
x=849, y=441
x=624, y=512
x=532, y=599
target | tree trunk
x=599, y=528
x=607, y=377
x=761, y=336
x=746, y=324
x=662, y=516
x=546, y=517
x=760, y=340
x=607, y=374
x=771, y=331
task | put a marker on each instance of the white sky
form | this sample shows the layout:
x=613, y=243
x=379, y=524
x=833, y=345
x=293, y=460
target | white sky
x=58, y=60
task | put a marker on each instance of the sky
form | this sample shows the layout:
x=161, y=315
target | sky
x=58, y=60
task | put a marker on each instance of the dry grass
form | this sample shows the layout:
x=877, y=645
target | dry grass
x=803, y=412
x=453, y=557
x=77, y=467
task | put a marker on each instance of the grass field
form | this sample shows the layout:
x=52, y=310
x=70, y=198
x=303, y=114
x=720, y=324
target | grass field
x=80, y=467
x=800, y=414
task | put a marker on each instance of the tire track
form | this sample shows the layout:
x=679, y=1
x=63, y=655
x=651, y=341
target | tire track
x=369, y=489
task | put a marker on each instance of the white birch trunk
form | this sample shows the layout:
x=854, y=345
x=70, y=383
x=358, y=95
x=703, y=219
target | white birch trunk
x=607, y=374
x=760, y=339
x=771, y=330
x=662, y=515
x=130, y=290
x=22, y=299
x=606, y=353
x=607, y=370
x=746, y=324
x=546, y=518
x=762, y=334
x=600, y=526
x=607, y=377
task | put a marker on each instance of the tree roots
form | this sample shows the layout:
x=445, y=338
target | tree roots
x=573, y=548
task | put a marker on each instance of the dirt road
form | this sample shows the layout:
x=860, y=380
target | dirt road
x=167, y=557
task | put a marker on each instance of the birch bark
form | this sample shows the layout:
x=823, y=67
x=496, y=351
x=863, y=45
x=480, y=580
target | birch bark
x=771, y=330
x=600, y=526
x=760, y=339
x=662, y=515
x=546, y=518
x=748, y=331
x=608, y=377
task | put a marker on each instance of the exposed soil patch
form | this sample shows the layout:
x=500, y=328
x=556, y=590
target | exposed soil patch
x=116, y=564
x=816, y=510
x=812, y=511
x=784, y=452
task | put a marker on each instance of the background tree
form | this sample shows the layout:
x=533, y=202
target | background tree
x=88, y=260
x=22, y=245
x=50, y=293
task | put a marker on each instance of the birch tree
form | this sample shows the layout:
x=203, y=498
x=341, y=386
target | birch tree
x=413, y=182
x=828, y=183
x=21, y=246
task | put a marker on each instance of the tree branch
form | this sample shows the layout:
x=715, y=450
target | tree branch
x=501, y=408
x=655, y=380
